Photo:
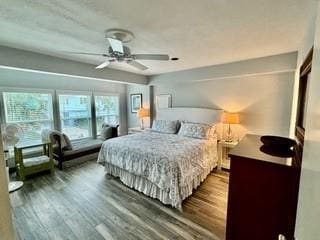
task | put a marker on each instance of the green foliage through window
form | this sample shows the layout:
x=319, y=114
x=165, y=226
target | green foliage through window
x=32, y=111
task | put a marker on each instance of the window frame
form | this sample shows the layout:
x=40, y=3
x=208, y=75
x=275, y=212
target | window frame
x=3, y=90
x=94, y=106
x=56, y=120
x=91, y=123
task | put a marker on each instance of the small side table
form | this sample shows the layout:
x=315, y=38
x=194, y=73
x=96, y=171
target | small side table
x=223, y=151
x=137, y=130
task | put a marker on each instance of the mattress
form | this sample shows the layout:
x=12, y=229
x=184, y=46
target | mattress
x=163, y=166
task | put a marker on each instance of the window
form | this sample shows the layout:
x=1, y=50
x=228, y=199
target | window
x=75, y=115
x=32, y=111
x=107, y=110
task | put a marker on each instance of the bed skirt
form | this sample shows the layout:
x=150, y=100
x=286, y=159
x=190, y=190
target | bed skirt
x=148, y=188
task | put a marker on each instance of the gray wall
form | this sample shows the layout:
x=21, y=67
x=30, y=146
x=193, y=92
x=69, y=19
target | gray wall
x=264, y=102
x=308, y=216
x=22, y=59
x=260, y=90
x=133, y=120
x=24, y=79
x=305, y=47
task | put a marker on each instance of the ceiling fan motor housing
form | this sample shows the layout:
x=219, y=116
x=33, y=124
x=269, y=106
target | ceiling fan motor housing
x=119, y=55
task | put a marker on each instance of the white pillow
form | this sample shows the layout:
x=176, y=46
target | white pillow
x=197, y=130
x=165, y=126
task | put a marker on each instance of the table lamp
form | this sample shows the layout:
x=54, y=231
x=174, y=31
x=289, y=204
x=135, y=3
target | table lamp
x=230, y=118
x=142, y=113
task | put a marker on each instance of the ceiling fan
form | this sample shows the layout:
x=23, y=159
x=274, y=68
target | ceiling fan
x=117, y=52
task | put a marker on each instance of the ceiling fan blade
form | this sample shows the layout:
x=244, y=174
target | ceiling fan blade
x=93, y=54
x=160, y=57
x=137, y=65
x=116, y=45
x=103, y=65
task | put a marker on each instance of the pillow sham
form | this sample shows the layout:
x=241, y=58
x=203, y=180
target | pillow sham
x=165, y=126
x=197, y=130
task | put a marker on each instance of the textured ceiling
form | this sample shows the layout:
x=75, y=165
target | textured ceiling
x=200, y=33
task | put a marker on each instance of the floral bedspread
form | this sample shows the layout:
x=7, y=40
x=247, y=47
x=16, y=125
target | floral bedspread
x=169, y=161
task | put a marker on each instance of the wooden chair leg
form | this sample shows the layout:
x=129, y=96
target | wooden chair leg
x=19, y=165
x=52, y=168
x=21, y=175
x=60, y=165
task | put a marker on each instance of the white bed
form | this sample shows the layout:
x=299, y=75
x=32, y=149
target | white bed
x=163, y=166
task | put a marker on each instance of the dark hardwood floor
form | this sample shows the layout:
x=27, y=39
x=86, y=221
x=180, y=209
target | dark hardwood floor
x=82, y=202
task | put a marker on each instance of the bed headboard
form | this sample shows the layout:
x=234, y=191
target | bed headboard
x=196, y=115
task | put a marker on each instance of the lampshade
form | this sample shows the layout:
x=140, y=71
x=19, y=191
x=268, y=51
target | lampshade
x=230, y=118
x=142, y=112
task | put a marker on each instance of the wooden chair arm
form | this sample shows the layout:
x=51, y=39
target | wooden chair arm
x=57, y=138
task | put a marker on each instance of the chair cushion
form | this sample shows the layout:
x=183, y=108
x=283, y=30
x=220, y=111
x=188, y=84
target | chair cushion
x=28, y=162
x=84, y=147
x=81, y=151
x=86, y=143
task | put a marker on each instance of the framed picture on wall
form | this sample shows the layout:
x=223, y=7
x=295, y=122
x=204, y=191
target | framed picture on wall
x=136, y=102
x=163, y=101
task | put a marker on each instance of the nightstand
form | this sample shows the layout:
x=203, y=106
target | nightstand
x=137, y=130
x=223, y=150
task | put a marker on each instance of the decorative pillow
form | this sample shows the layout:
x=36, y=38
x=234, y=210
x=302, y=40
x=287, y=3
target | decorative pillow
x=106, y=132
x=197, y=130
x=68, y=145
x=165, y=126
x=52, y=136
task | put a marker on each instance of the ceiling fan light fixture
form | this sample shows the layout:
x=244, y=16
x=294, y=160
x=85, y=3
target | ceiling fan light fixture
x=116, y=45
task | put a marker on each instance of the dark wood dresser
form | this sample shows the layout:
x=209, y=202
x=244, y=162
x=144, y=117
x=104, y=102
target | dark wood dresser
x=263, y=192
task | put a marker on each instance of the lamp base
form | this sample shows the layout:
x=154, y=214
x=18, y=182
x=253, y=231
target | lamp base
x=141, y=124
x=229, y=135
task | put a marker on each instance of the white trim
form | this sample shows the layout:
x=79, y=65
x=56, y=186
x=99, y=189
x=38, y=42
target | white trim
x=244, y=75
x=106, y=94
x=74, y=76
x=27, y=90
x=71, y=92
